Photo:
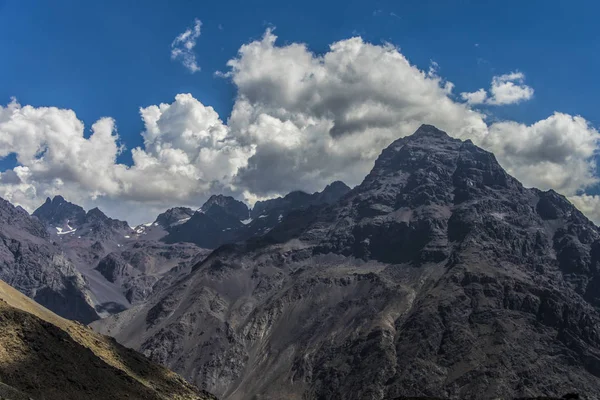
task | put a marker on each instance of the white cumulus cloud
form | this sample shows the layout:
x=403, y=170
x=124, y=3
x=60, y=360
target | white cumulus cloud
x=186, y=154
x=477, y=97
x=315, y=118
x=554, y=153
x=299, y=121
x=182, y=48
x=505, y=89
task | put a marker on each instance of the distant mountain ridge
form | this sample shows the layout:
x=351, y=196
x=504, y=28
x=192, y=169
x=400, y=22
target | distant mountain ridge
x=222, y=219
x=182, y=224
x=174, y=216
x=58, y=212
x=30, y=262
x=299, y=199
x=94, y=266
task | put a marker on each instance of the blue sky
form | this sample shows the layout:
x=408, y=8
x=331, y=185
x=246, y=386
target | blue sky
x=109, y=58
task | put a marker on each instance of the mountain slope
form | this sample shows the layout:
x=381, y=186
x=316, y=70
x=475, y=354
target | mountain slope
x=48, y=357
x=439, y=275
x=121, y=265
x=36, y=266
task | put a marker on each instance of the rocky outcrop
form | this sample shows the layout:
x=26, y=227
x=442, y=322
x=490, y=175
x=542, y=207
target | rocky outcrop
x=440, y=275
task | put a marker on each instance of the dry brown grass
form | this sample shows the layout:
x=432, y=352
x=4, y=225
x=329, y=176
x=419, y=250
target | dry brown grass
x=49, y=357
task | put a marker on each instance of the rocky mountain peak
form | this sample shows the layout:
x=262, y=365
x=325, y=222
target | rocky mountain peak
x=426, y=192
x=58, y=212
x=440, y=274
x=429, y=130
x=230, y=205
x=332, y=193
x=95, y=214
x=431, y=162
x=174, y=216
x=336, y=186
x=104, y=226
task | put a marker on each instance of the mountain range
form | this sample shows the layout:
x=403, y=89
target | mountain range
x=88, y=265
x=439, y=275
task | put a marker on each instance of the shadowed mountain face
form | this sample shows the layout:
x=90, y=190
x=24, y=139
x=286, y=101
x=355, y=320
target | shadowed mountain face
x=32, y=263
x=440, y=275
x=121, y=265
x=174, y=216
x=64, y=218
x=114, y=266
x=216, y=223
x=229, y=205
x=299, y=200
x=222, y=219
x=43, y=356
x=58, y=212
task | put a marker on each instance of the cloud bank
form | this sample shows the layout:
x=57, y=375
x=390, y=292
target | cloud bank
x=300, y=120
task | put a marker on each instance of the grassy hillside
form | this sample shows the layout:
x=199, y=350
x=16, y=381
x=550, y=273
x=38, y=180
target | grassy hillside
x=48, y=357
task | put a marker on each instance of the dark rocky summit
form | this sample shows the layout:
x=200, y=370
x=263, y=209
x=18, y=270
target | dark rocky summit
x=440, y=275
x=222, y=219
x=228, y=204
x=174, y=216
x=58, y=212
x=216, y=223
x=299, y=200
